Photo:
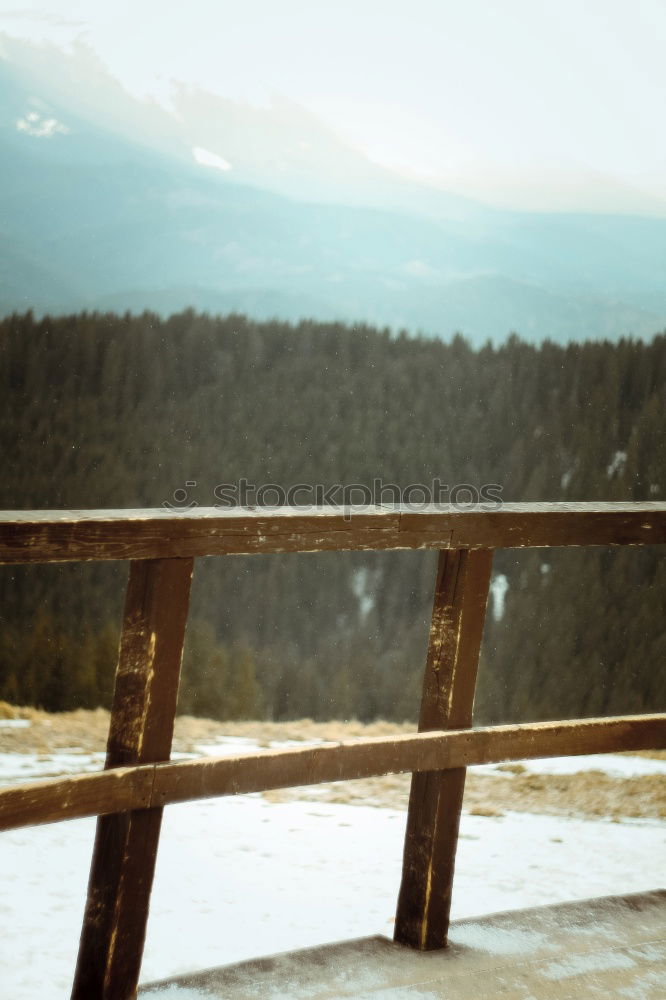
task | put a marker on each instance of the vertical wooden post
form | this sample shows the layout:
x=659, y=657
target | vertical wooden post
x=142, y=720
x=435, y=801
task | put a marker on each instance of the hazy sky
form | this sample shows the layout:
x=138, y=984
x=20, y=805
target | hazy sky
x=490, y=93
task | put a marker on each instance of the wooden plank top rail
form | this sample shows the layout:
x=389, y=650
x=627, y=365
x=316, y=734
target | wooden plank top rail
x=70, y=536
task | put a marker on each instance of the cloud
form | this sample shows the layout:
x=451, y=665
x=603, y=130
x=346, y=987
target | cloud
x=43, y=17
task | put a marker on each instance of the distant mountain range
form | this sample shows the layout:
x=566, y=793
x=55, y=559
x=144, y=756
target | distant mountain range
x=108, y=202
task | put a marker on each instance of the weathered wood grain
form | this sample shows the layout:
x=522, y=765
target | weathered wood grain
x=435, y=801
x=62, y=536
x=50, y=801
x=142, y=719
x=155, y=785
x=430, y=751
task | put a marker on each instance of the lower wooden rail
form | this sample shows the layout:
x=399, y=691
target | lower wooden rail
x=151, y=786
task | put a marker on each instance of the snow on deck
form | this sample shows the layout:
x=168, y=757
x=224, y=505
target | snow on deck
x=595, y=949
x=239, y=877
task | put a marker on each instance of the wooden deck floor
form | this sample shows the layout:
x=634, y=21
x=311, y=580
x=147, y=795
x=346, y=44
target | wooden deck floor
x=613, y=947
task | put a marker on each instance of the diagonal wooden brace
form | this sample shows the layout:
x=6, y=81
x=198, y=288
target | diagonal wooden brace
x=435, y=802
x=141, y=731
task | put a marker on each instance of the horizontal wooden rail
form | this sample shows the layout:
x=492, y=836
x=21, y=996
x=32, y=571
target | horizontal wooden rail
x=154, y=785
x=72, y=536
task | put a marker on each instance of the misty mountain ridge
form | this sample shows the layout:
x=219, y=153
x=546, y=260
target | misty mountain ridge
x=103, y=205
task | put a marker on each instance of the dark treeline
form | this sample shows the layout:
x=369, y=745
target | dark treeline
x=123, y=411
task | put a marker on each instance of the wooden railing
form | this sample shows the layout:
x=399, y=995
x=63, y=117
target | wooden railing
x=139, y=779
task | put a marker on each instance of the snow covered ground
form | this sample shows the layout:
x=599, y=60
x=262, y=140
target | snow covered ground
x=239, y=877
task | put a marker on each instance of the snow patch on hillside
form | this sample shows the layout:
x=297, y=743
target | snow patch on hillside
x=208, y=159
x=40, y=126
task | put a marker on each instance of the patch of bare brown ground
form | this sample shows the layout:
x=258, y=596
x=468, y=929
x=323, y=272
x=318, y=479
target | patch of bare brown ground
x=512, y=787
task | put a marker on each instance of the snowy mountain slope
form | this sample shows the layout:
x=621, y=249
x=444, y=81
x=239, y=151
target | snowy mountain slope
x=104, y=204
